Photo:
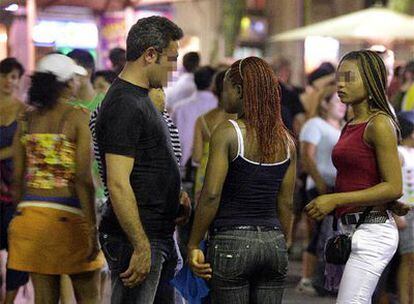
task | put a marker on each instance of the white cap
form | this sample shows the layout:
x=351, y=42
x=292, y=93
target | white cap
x=63, y=67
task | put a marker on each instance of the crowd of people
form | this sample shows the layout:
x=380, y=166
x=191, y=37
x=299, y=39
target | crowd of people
x=120, y=175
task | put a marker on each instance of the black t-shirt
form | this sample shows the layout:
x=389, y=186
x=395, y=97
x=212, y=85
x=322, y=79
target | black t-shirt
x=291, y=105
x=128, y=124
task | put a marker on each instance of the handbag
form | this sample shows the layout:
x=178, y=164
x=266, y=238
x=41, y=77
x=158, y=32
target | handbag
x=338, y=248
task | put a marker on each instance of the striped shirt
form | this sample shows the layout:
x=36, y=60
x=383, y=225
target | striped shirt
x=175, y=141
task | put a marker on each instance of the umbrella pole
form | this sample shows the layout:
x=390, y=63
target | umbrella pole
x=31, y=21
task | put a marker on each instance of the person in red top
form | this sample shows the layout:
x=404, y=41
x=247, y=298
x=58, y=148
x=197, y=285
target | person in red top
x=369, y=175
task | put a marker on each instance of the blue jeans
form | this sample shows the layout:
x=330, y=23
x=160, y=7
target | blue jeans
x=248, y=267
x=156, y=288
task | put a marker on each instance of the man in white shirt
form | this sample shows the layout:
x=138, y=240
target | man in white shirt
x=184, y=87
x=186, y=112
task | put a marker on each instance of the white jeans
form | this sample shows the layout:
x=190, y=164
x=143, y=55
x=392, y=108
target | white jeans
x=373, y=246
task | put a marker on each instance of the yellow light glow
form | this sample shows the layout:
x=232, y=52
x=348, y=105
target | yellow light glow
x=245, y=23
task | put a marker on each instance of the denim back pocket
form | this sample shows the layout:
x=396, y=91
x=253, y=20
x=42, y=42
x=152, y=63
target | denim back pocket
x=227, y=256
x=281, y=262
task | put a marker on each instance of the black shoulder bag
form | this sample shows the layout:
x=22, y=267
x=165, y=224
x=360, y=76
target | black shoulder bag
x=338, y=248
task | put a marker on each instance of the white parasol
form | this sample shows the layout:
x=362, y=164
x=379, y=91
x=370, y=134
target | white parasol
x=375, y=23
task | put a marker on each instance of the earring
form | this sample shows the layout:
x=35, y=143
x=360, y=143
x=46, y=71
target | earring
x=370, y=101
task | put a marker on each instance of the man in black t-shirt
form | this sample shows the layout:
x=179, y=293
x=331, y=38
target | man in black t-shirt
x=140, y=169
x=293, y=113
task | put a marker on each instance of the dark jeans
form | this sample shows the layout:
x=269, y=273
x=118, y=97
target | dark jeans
x=14, y=278
x=156, y=288
x=313, y=244
x=248, y=267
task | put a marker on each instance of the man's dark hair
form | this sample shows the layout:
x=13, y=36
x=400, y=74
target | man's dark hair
x=154, y=31
x=9, y=64
x=203, y=77
x=279, y=63
x=45, y=90
x=108, y=75
x=117, y=56
x=325, y=69
x=191, y=61
x=83, y=58
x=409, y=67
x=219, y=83
x=406, y=120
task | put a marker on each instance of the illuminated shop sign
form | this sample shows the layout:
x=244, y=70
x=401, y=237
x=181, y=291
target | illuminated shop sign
x=66, y=34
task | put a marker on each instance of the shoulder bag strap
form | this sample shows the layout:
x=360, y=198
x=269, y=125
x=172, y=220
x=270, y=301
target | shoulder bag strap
x=364, y=216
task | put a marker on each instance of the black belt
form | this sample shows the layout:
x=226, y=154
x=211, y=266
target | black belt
x=374, y=217
x=244, y=228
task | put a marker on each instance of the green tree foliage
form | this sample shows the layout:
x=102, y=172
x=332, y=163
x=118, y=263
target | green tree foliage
x=402, y=6
x=233, y=11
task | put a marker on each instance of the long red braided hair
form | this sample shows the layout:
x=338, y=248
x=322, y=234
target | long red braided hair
x=261, y=105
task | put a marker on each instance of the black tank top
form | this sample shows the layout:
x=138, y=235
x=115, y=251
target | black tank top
x=249, y=196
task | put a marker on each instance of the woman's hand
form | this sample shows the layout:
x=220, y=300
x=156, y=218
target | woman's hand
x=398, y=208
x=320, y=207
x=185, y=207
x=197, y=264
x=401, y=222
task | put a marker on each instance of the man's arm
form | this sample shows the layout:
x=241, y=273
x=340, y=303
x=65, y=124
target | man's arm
x=198, y=146
x=298, y=122
x=84, y=186
x=309, y=164
x=118, y=170
x=83, y=181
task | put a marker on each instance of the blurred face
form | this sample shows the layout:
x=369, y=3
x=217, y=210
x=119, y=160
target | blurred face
x=350, y=86
x=89, y=71
x=9, y=82
x=232, y=101
x=73, y=86
x=100, y=85
x=285, y=73
x=84, y=81
x=161, y=65
x=408, y=76
x=335, y=109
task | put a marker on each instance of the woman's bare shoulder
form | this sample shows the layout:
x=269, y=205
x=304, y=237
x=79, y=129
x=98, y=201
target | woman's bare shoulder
x=381, y=128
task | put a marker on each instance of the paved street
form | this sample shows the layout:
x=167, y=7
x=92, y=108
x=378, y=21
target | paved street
x=293, y=297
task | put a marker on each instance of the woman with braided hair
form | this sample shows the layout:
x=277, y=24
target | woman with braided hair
x=246, y=198
x=368, y=175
